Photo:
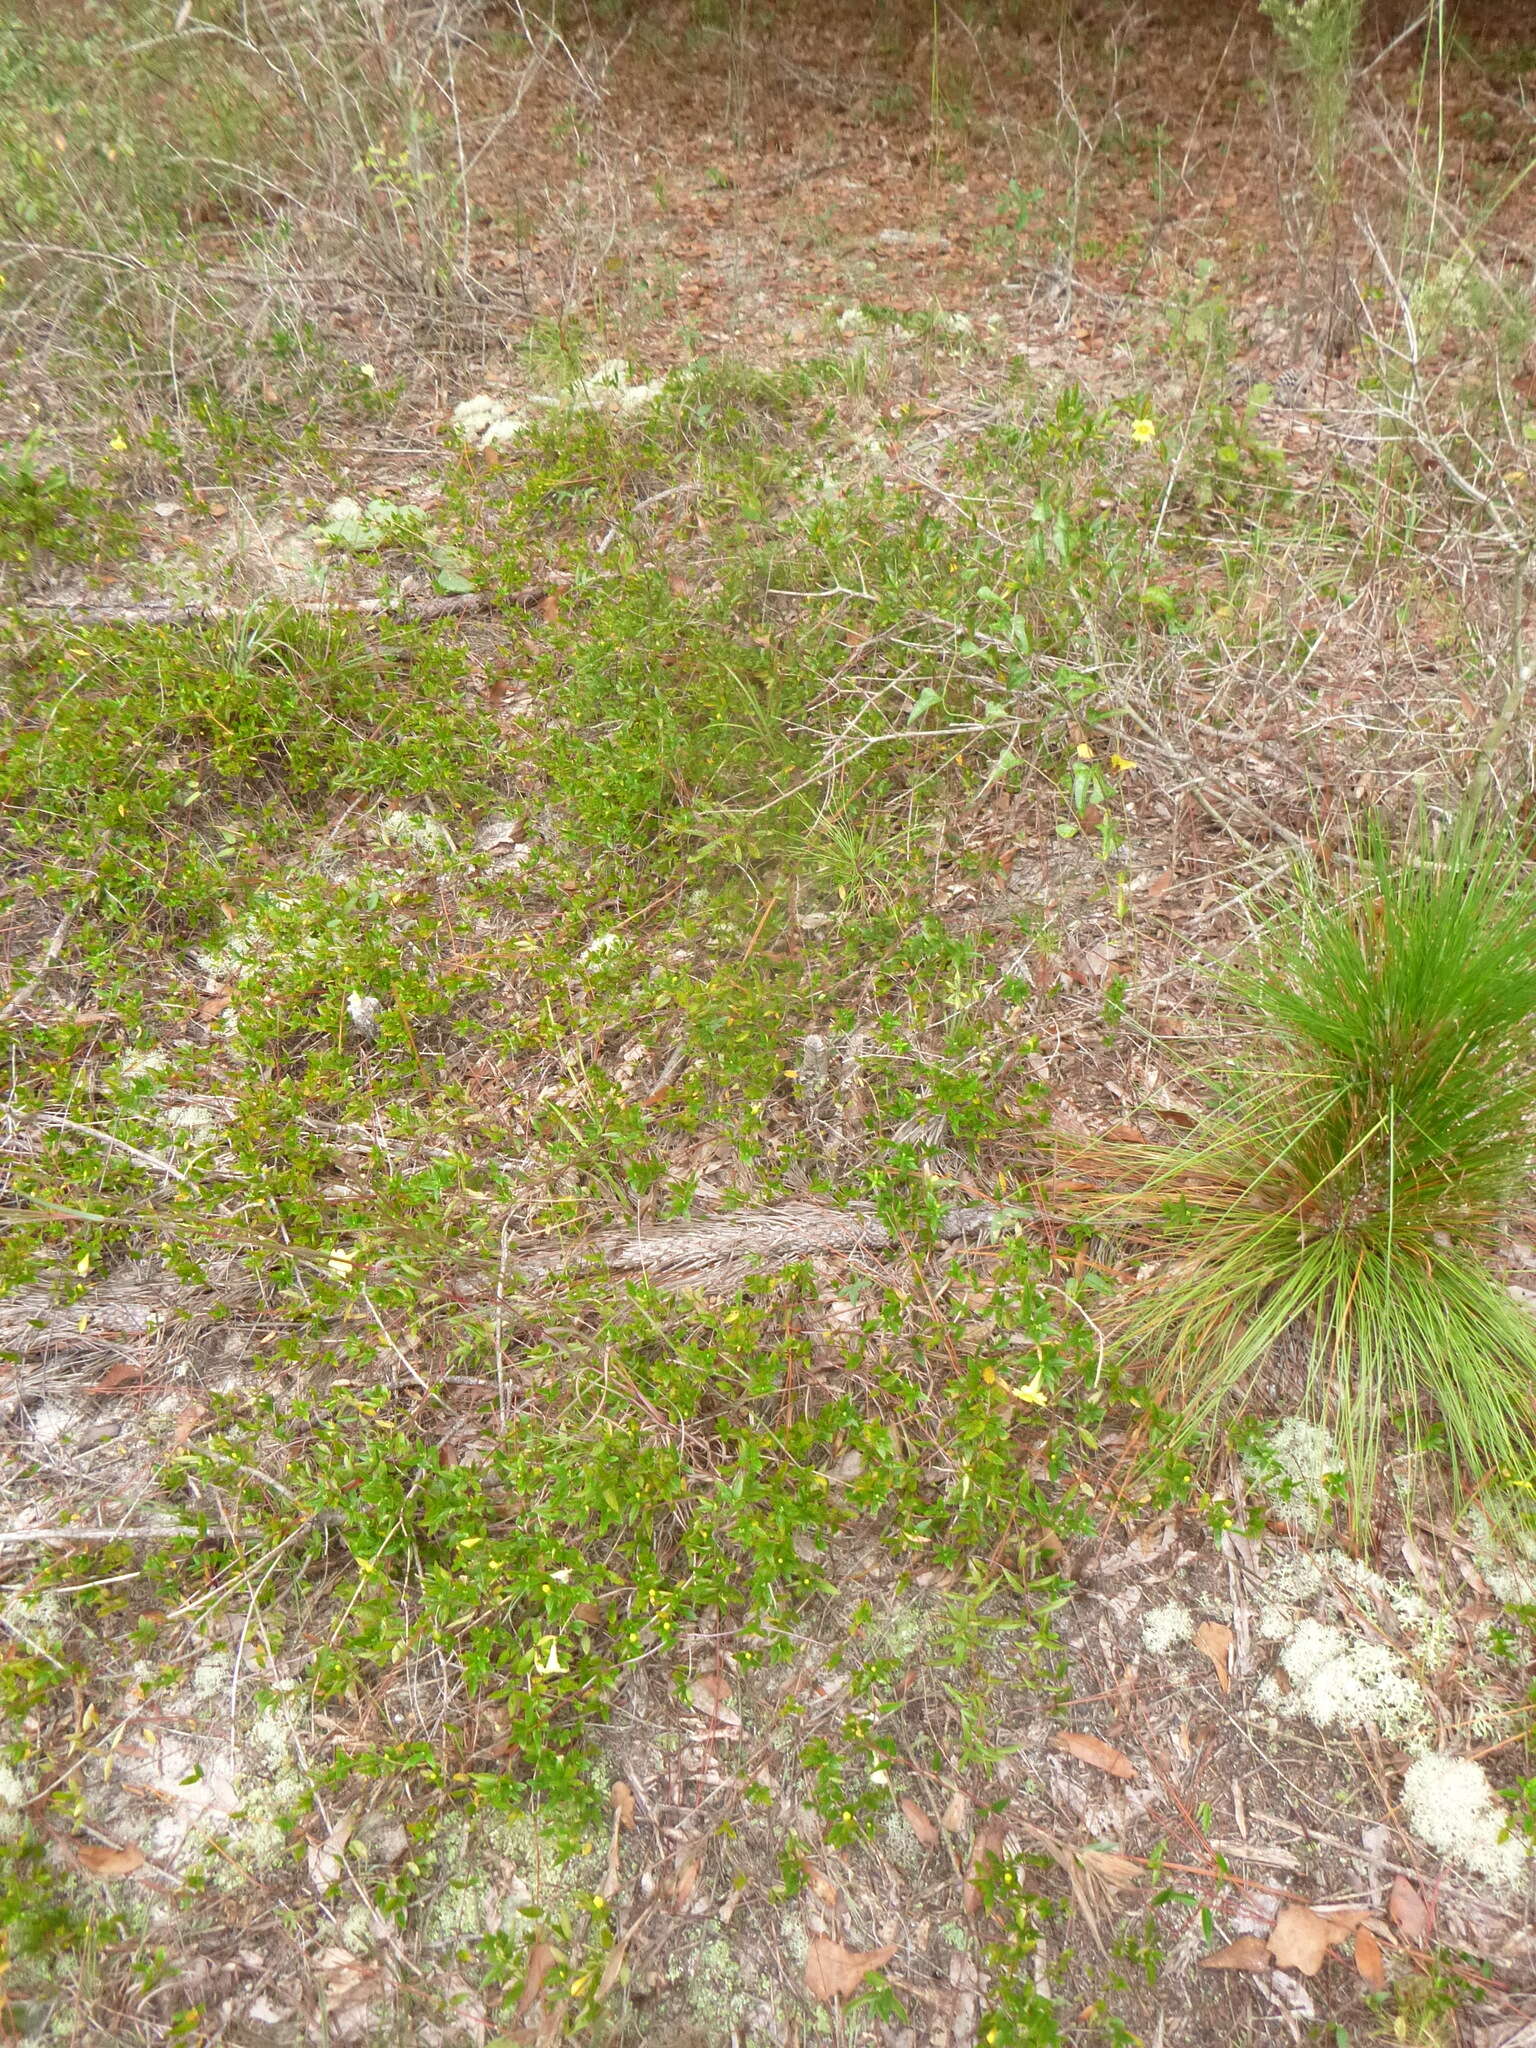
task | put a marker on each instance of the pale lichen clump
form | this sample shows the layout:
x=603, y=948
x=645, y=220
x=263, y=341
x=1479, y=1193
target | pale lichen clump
x=1348, y=1683
x=1450, y=1805
x=1289, y=1585
x=15, y=1792
x=719, y=1991
x=1506, y=1558
x=1297, y=1469
x=485, y=421
x=212, y=1674
x=1431, y=1631
x=497, y=1870
x=1164, y=1628
x=36, y=1619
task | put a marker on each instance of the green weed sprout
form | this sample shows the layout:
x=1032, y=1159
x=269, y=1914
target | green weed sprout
x=1372, y=1133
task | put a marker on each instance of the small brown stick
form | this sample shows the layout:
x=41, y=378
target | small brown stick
x=1514, y=695
x=161, y=612
x=51, y=953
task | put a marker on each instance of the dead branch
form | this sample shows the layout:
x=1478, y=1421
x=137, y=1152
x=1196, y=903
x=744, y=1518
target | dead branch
x=713, y=1253
x=163, y=612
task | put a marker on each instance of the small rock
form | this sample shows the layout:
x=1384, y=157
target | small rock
x=190, y=1117
x=404, y=828
x=363, y=1013
x=496, y=833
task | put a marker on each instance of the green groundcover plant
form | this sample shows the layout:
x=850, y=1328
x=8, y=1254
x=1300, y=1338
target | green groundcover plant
x=1370, y=1138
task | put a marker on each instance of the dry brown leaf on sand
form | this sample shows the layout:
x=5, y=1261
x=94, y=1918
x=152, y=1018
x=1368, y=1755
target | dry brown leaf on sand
x=1213, y=1639
x=1368, y=1960
x=1095, y=1875
x=956, y=1817
x=1092, y=1749
x=619, y=1953
x=1248, y=1952
x=1300, y=1939
x=1408, y=1912
x=191, y=1414
x=623, y=1802
x=104, y=1862
x=920, y=1824
x=991, y=1840
x=1109, y=1868
x=711, y=1694
x=832, y=1971
x=542, y=1958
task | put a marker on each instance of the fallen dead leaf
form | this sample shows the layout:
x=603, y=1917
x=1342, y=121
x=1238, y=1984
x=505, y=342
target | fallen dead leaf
x=1408, y=1912
x=104, y=1862
x=991, y=1840
x=832, y=1971
x=125, y=1376
x=1213, y=1639
x=1109, y=1868
x=1248, y=1952
x=711, y=1694
x=623, y=1802
x=1368, y=1960
x=187, y=1421
x=1175, y=1109
x=820, y=1884
x=619, y=1952
x=956, y=1817
x=213, y=1006
x=542, y=1958
x=1300, y=1939
x=326, y=1860
x=687, y=1884
x=920, y=1824
x=1092, y=1749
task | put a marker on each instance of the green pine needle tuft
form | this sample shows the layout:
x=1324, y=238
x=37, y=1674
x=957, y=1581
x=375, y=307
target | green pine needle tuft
x=1373, y=1139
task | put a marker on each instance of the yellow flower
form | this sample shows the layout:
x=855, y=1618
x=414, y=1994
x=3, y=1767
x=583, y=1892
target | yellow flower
x=1084, y=751
x=119, y=444
x=1144, y=429
x=1120, y=764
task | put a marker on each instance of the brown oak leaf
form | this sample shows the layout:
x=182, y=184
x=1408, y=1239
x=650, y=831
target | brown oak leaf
x=103, y=1862
x=1368, y=1960
x=542, y=1958
x=1248, y=1952
x=920, y=1824
x=1213, y=1639
x=832, y=1971
x=1092, y=1749
x=1300, y=1939
x=1408, y=1912
x=991, y=1840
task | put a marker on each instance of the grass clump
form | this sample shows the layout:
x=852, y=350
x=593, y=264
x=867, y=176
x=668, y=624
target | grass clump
x=1370, y=1139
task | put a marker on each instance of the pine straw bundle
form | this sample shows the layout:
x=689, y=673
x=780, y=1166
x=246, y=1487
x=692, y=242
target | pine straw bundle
x=1372, y=1134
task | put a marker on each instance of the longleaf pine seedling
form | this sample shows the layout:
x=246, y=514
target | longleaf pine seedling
x=1371, y=1138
